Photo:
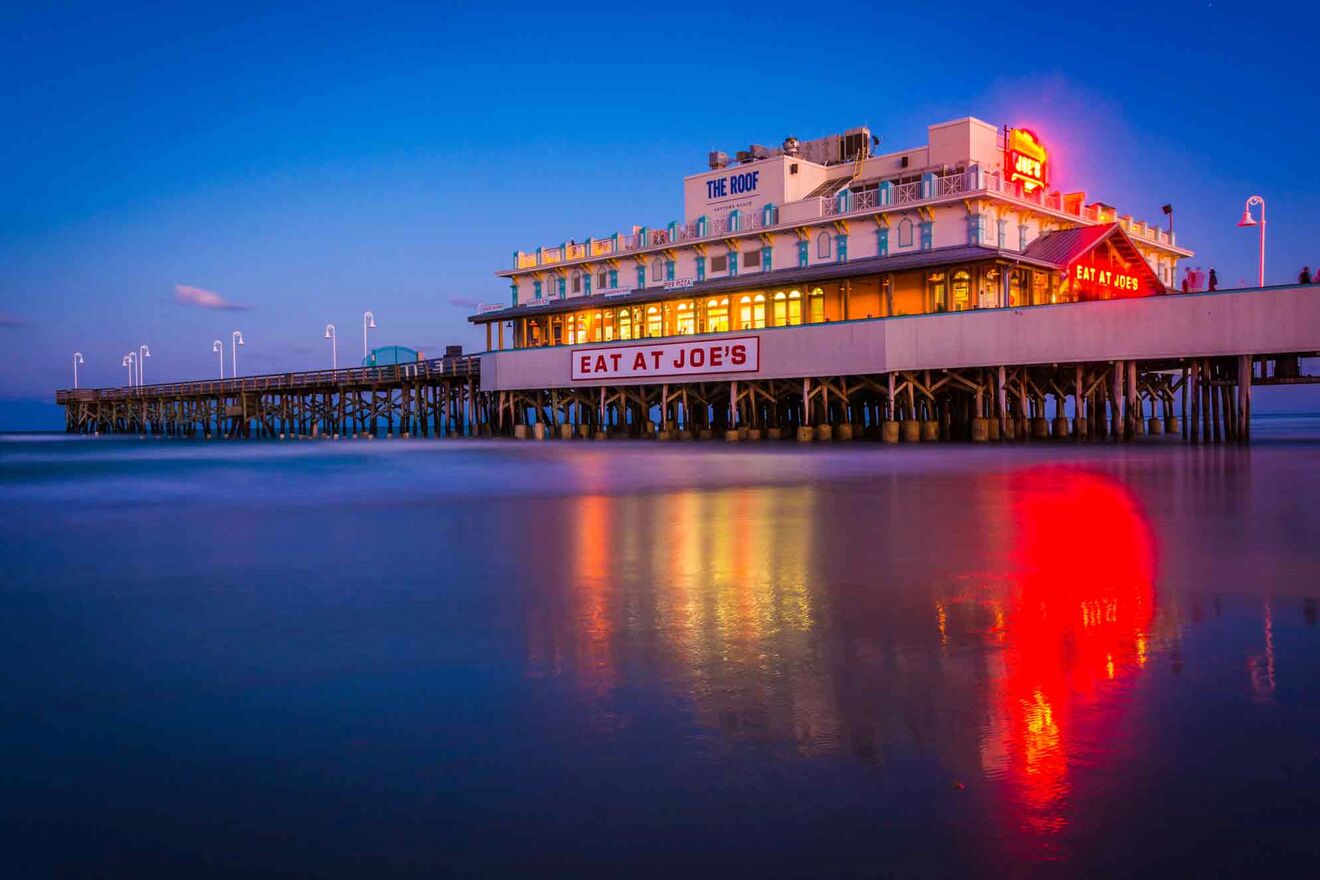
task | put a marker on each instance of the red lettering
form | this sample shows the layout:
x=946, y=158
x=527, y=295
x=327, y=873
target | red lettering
x=656, y=355
x=600, y=364
x=639, y=361
x=615, y=358
x=717, y=356
x=697, y=357
x=681, y=360
x=584, y=365
x=738, y=355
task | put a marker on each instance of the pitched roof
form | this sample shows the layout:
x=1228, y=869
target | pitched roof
x=1063, y=246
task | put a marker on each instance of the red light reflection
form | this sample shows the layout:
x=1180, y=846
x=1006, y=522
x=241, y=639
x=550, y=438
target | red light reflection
x=1080, y=605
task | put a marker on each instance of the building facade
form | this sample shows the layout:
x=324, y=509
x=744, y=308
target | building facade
x=825, y=231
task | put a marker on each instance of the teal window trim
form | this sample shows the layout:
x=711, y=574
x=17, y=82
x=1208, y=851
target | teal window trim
x=536, y=290
x=563, y=286
x=669, y=270
x=927, y=234
x=841, y=248
x=767, y=257
x=513, y=289
x=804, y=253
x=733, y=263
x=641, y=276
x=614, y=274
x=586, y=283
x=701, y=268
x=882, y=241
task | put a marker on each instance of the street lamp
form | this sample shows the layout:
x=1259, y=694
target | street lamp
x=334, y=346
x=127, y=363
x=1247, y=220
x=219, y=346
x=132, y=363
x=77, y=359
x=235, y=340
x=143, y=354
x=368, y=320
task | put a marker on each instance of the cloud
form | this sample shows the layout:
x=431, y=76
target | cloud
x=10, y=321
x=463, y=303
x=203, y=299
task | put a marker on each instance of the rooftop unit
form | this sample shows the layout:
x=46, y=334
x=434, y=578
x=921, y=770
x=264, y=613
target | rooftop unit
x=832, y=149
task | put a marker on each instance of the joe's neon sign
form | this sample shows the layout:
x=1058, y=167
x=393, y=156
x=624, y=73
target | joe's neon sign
x=1025, y=160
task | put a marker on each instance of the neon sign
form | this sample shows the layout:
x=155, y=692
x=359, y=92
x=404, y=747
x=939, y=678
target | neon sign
x=1110, y=278
x=1025, y=160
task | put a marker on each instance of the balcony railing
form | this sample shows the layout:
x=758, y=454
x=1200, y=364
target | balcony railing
x=940, y=186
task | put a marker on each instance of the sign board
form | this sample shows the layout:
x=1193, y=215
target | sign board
x=740, y=354
x=614, y=291
x=483, y=308
x=679, y=283
x=1025, y=160
x=738, y=183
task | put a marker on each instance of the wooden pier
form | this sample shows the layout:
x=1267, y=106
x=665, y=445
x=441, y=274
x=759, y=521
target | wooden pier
x=1203, y=400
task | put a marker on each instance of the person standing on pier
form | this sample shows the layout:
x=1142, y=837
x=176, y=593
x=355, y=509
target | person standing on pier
x=1304, y=277
x=1214, y=279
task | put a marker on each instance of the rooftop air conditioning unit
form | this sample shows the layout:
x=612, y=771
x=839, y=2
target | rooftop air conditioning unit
x=718, y=159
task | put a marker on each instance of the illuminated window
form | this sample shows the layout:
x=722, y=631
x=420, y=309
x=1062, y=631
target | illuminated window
x=717, y=315
x=1015, y=289
x=580, y=330
x=823, y=246
x=751, y=312
x=687, y=318
x=657, y=270
x=596, y=327
x=905, y=233
x=816, y=306
x=795, y=307
x=654, y=322
x=962, y=291
x=623, y=318
x=779, y=316
x=939, y=292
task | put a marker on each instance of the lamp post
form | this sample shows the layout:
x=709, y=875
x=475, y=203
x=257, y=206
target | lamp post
x=77, y=359
x=235, y=340
x=127, y=363
x=334, y=346
x=368, y=320
x=132, y=369
x=143, y=354
x=1247, y=220
x=219, y=346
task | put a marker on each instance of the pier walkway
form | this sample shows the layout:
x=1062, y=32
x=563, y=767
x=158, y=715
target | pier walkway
x=1180, y=364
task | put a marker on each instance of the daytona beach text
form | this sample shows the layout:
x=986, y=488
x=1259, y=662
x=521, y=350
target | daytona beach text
x=741, y=355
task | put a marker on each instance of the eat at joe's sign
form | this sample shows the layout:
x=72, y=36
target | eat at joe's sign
x=740, y=354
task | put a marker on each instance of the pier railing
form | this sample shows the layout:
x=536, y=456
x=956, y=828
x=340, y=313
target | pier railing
x=952, y=184
x=385, y=374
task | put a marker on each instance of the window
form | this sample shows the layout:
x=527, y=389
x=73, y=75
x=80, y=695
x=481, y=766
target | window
x=719, y=263
x=788, y=308
x=655, y=324
x=624, y=322
x=717, y=315
x=823, y=246
x=657, y=270
x=602, y=280
x=687, y=319
x=962, y=291
x=751, y=259
x=577, y=282
x=751, y=312
x=536, y=290
x=803, y=248
x=905, y=233
x=596, y=326
x=816, y=306
x=939, y=295
x=580, y=331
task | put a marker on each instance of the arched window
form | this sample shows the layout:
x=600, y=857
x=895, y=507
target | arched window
x=905, y=233
x=780, y=314
x=654, y=322
x=602, y=279
x=580, y=331
x=823, y=246
x=657, y=270
x=717, y=315
x=816, y=306
x=795, y=307
x=624, y=320
x=577, y=282
x=686, y=319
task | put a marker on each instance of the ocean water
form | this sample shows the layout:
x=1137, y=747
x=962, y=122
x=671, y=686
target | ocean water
x=627, y=659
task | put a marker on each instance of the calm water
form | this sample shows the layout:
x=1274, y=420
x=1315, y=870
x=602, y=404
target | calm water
x=363, y=658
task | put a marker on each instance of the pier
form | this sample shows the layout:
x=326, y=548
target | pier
x=1117, y=370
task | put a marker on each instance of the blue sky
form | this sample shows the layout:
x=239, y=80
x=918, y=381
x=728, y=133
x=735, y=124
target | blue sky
x=312, y=161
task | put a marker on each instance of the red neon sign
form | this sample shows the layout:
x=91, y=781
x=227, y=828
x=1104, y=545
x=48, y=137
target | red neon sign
x=1025, y=160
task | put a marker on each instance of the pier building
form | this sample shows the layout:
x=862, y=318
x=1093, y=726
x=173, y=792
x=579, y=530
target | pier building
x=835, y=230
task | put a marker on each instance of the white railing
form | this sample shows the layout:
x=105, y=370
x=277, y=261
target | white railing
x=913, y=192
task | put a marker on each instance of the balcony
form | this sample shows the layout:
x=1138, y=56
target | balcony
x=938, y=187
